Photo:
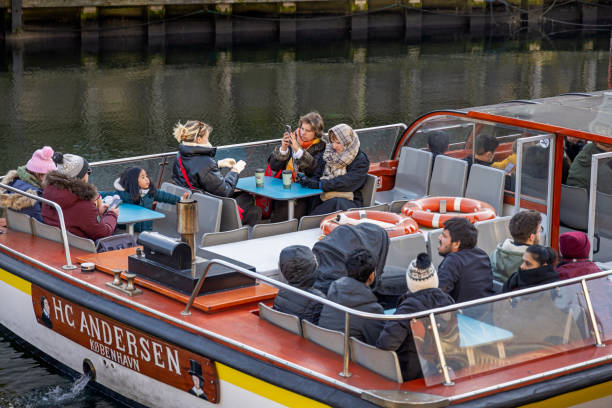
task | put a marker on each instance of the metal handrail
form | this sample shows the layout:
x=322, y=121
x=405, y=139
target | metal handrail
x=69, y=265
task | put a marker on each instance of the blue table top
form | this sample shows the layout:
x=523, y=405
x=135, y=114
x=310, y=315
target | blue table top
x=473, y=332
x=132, y=213
x=273, y=188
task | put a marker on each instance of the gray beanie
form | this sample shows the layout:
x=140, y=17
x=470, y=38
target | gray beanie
x=71, y=165
x=298, y=265
x=421, y=274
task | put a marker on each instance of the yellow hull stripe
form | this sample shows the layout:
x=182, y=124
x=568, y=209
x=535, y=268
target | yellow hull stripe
x=16, y=282
x=267, y=390
x=575, y=397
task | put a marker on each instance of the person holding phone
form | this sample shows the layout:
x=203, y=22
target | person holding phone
x=300, y=151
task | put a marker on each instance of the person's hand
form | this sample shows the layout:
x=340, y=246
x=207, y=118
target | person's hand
x=114, y=210
x=229, y=162
x=286, y=141
x=186, y=195
x=239, y=166
x=309, y=182
x=294, y=143
x=101, y=206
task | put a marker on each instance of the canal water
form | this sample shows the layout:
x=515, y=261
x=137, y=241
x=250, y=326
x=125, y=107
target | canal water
x=122, y=98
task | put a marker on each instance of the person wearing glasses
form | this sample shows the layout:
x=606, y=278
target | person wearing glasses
x=195, y=168
x=84, y=213
x=301, y=152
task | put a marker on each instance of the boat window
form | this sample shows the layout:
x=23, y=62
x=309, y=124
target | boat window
x=503, y=333
x=378, y=142
x=599, y=292
x=600, y=207
x=456, y=128
x=104, y=174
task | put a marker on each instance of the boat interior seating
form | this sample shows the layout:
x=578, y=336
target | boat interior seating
x=312, y=221
x=368, y=191
x=396, y=206
x=275, y=228
x=603, y=214
x=53, y=233
x=284, y=320
x=18, y=221
x=574, y=207
x=377, y=207
x=230, y=216
x=533, y=186
x=383, y=362
x=432, y=246
x=225, y=237
x=330, y=339
x=404, y=249
x=209, y=213
x=449, y=177
x=487, y=184
x=492, y=232
x=412, y=176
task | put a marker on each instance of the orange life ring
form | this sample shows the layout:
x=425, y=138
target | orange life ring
x=395, y=224
x=426, y=211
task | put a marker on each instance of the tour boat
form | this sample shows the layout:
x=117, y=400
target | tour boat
x=152, y=326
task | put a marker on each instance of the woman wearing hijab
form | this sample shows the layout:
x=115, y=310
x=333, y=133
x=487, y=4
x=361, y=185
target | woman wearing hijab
x=341, y=174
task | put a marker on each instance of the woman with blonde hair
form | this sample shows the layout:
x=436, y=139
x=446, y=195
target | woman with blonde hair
x=341, y=174
x=196, y=169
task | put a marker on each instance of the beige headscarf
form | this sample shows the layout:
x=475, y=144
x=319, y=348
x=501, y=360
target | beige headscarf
x=335, y=164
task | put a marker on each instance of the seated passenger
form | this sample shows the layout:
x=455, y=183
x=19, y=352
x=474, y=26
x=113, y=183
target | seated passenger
x=484, y=151
x=580, y=170
x=437, y=142
x=525, y=229
x=79, y=200
x=196, y=169
x=300, y=151
x=423, y=294
x=134, y=187
x=572, y=147
x=465, y=271
x=298, y=265
x=575, y=248
x=509, y=163
x=538, y=268
x=341, y=173
x=28, y=178
x=354, y=291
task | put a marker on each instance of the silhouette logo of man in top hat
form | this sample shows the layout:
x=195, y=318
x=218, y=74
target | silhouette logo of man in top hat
x=198, y=381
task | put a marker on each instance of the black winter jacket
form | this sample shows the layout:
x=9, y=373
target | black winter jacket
x=300, y=306
x=527, y=278
x=397, y=335
x=307, y=164
x=353, y=180
x=356, y=295
x=466, y=275
x=202, y=171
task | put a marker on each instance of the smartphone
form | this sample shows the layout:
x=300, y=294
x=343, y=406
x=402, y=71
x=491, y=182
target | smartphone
x=288, y=129
x=114, y=204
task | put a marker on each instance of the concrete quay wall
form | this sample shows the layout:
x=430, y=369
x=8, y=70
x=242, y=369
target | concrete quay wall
x=269, y=20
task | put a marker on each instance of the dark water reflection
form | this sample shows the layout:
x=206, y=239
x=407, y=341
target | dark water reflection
x=124, y=97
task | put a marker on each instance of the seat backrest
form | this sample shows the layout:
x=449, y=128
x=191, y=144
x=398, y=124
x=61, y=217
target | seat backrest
x=448, y=178
x=378, y=207
x=312, y=221
x=492, y=232
x=209, y=214
x=230, y=216
x=396, y=206
x=575, y=207
x=487, y=184
x=534, y=186
x=85, y=244
x=114, y=242
x=167, y=225
x=330, y=339
x=275, y=228
x=225, y=237
x=603, y=214
x=286, y=321
x=18, y=221
x=368, y=191
x=405, y=248
x=432, y=246
x=383, y=362
x=46, y=231
x=413, y=170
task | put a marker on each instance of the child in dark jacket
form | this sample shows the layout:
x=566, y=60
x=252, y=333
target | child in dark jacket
x=134, y=187
x=298, y=265
x=423, y=294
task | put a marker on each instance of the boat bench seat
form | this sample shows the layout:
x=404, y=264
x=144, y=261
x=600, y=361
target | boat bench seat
x=18, y=221
x=284, y=320
x=53, y=233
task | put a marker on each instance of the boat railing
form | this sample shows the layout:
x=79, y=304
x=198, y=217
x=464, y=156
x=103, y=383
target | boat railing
x=377, y=141
x=60, y=214
x=429, y=314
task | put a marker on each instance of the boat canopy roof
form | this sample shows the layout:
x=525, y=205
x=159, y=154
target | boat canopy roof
x=581, y=112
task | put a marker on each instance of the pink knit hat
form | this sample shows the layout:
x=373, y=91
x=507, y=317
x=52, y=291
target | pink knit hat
x=41, y=161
